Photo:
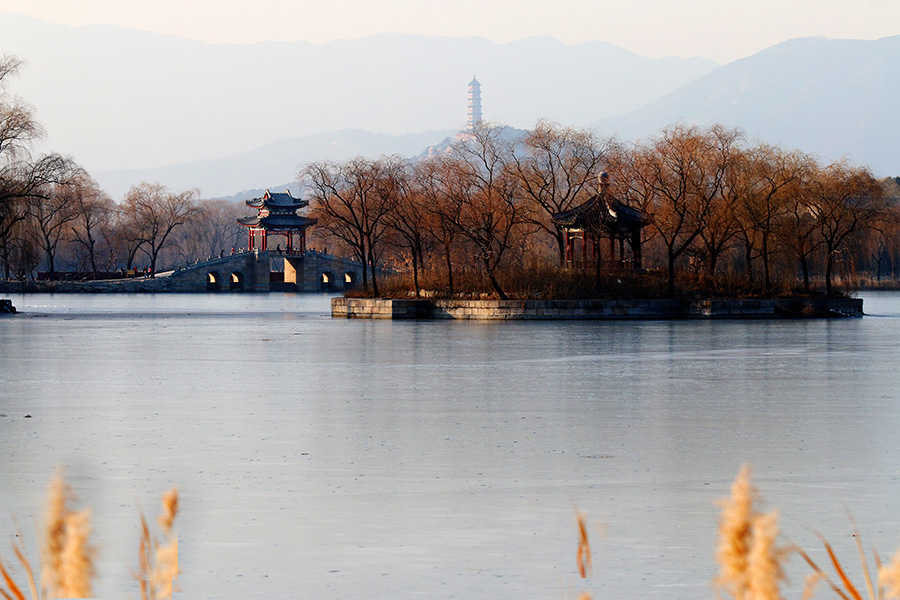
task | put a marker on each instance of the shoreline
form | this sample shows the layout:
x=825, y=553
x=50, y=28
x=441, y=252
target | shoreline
x=523, y=310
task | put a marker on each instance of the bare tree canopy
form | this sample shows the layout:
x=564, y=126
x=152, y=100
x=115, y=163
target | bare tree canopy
x=558, y=170
x=484, y=200
x=351, y=201
x=474, y=217
x=24, y=181
x=154, y=213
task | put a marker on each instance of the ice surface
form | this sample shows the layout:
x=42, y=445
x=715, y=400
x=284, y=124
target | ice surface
x=322, y=458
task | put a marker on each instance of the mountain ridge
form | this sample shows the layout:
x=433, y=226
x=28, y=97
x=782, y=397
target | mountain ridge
x=115, y=98
x=832, y=98
x=273, y=163
x=209, y=112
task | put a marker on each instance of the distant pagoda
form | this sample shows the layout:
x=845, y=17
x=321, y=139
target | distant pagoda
x=474, y=104
x=277, y=215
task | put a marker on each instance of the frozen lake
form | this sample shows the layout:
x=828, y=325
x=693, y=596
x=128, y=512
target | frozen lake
x=321, y=458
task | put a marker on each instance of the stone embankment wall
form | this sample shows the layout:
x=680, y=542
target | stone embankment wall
x=109, y=286
x=367, y=308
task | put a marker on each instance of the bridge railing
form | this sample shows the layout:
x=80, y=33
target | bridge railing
x=212, y=260
x=226, y=257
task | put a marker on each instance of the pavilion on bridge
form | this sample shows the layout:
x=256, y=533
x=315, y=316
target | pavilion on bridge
x=277, y=215
x=602, y=216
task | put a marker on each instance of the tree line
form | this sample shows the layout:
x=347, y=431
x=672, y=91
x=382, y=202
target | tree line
x=54, y=215
x=474, y=216
x=723, y=212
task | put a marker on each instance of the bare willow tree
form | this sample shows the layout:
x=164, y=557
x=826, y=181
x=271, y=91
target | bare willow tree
x=883, y=245
x=483, y=196
x=557, y=169
x=844, y=200
x=772, y=177
x=352, y=200
x=18, y=131
x=676, y=178
x=213, y=231
x=440, y=223
x=797, y=232
x=154, y=213
x=23, y=178
x=728, y=174
x=409, y=220
x=95, y=211
x=51, y=212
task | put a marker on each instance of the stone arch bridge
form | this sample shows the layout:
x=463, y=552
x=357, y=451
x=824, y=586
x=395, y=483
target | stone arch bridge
x=310, y=271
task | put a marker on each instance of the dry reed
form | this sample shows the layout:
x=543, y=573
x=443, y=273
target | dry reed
x=66, y=556
x=889, y=577
x=844, y=587
x=764, y=570
x=750, y=562
x=583, y=557
x=58, y=495
x=76, y=568
x=159, y=562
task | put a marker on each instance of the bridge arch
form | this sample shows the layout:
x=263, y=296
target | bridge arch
x=350, y=280
x=213, y=281
x=327, y=281
x=236, y=282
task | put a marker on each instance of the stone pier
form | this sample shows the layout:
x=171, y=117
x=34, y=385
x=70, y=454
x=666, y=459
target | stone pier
x=369, y=308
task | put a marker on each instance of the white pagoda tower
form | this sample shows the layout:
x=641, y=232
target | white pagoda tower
x=474, y=104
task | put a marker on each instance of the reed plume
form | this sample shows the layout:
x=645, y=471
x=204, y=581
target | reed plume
x=66, y=556
x=750, y=562
x=170, y=510
x=159, y=562
x=67, y=566
x=764, y=570
x=54, y=540
x=889, y=577
x=76, y=564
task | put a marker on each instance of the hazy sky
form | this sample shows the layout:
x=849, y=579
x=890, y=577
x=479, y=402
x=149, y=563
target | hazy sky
x=722, y=30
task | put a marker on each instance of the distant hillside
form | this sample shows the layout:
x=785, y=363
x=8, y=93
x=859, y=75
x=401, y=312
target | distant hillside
x=829, y=97
x=269, y=166
x=116, y=98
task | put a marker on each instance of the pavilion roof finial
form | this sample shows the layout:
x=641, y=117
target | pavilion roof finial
x=604, y=183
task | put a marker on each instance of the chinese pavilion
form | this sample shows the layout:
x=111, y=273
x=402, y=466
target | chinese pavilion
x=277, y=215
x=602, y=216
